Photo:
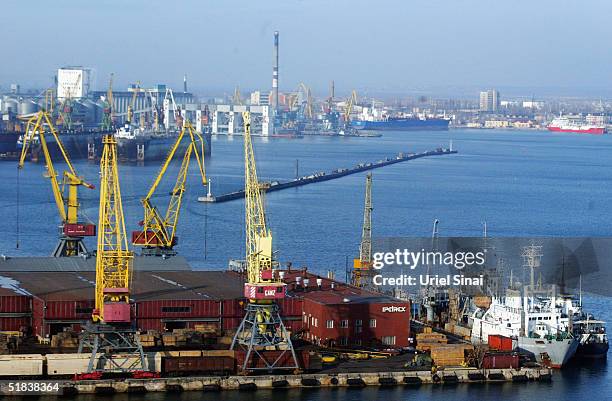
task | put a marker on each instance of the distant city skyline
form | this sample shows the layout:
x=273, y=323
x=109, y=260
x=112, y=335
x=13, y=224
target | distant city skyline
x=393, y=47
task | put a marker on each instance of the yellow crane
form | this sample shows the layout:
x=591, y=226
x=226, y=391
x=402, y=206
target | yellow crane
x=109, y=119
x=111, y=331
x=348, y=108
x=72, y=231
x=158, y=234
x=130, y=110
x=262, y=328
x=362, y=266
x=113, y=259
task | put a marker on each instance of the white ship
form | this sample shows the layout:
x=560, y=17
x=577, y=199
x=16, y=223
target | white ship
x=535, y=317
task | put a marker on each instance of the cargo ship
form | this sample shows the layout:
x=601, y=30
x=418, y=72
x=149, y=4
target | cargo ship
x=402, y=124
x=135, y=144
x=576, y=125
x=8, y=142
x=539, y=328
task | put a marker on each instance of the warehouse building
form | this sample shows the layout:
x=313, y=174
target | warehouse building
x=48, y=295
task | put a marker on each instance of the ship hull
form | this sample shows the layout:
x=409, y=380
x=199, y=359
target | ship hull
x=559, y=352
x=8, y=142
x=403, y=124
x=591, y=131
x=592, y=350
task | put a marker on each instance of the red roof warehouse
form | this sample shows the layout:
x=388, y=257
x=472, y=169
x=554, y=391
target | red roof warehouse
x=48, y=295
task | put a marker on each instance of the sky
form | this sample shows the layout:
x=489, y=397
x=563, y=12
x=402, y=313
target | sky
x=377, y=46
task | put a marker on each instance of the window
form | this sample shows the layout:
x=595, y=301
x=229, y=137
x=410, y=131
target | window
x=330, y=324
x=358, y=329
x=388, y=340
x=358, y=322
x=372, y=323
x=176, y=309
x=344, y=341
x=82, y=310
x=344, y=324
x=358, y=342
x=316, y=323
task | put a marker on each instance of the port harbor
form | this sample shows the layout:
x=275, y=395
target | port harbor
x=318, y=212
x=322, y=176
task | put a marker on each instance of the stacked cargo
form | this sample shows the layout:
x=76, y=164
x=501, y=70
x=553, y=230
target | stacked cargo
x=450, y=354
x=150, y=339
x=65, y=339
x=428, y=340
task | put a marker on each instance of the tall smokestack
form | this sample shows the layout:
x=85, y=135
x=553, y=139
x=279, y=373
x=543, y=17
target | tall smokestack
x=184, y=83
x=275, y=75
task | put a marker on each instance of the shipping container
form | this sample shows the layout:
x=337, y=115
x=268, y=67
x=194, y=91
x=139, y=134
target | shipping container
x=500, y=361
x=500, y=343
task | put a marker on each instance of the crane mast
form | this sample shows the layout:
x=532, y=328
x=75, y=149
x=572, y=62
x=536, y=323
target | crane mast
x=113, y=259
x=362, y=266
x=262, y=327
x=72, y=231
x=348, y=109
x=111, y=330
x=158, y=234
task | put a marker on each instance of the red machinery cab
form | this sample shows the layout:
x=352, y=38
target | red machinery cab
x=80, y=230
x=265, y=291
x=118, y=311
x=148, y=238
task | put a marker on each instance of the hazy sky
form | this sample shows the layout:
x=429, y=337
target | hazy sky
x=385, y=46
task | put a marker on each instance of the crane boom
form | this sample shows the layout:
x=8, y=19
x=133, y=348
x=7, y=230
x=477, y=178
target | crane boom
x=67, y=207
x=159, y=232
x=261, y=284
x=262, y=327
x=113, y=259
x=348, y=109
x=111, y=331
x=362, y=266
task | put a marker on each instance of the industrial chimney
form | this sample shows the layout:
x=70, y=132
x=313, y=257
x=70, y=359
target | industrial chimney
x=275, y=76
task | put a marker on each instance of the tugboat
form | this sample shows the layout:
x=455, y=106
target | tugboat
x=593, y=338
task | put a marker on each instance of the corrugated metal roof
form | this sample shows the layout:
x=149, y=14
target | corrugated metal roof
x=146, y=285
x=341, y=293
x=80, y=264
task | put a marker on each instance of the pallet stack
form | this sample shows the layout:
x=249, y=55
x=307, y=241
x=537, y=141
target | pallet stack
x=428, y=340
x=450, y=354
x=65, y=339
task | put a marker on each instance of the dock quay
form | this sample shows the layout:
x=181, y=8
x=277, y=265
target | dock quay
x=322, y=176
x=269, y=381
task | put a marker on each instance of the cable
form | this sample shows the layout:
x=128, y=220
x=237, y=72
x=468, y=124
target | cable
x=17, y=211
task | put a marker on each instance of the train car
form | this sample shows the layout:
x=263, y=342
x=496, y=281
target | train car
x=198, y=365
x=30, y=365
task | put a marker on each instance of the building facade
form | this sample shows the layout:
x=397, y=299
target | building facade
x=489, y=101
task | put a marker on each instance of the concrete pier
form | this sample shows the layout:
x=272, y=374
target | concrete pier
x=321, y=176
x=251, y=383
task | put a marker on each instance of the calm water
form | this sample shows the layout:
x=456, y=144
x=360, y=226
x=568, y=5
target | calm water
x=520, y=183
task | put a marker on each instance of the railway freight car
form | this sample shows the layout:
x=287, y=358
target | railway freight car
x=198, y=365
